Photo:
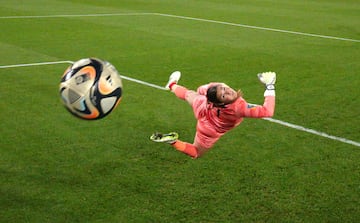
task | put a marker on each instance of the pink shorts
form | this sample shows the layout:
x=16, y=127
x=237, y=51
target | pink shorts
x=206, y=135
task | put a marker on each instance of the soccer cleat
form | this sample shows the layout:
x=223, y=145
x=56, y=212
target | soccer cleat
x=173, y=79
x=167, y=138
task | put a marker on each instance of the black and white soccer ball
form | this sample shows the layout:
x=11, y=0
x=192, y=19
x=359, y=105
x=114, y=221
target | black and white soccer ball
x=91, y=88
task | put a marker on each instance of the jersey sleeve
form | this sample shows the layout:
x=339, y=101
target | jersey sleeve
x=248, y=110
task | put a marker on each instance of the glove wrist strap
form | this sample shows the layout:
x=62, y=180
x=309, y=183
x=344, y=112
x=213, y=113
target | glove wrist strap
x=270, y=90
x=270, y=87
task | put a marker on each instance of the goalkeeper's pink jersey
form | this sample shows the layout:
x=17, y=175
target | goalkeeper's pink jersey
x=213, y=122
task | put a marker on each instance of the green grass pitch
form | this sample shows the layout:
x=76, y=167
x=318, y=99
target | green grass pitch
x=57, y=168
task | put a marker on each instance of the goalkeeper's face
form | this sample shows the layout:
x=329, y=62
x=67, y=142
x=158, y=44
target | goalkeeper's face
x=226, y=95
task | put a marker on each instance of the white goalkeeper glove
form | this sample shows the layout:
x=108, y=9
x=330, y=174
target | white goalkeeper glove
x=268, y=79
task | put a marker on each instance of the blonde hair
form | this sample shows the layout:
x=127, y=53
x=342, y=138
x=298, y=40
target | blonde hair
x=240, y=93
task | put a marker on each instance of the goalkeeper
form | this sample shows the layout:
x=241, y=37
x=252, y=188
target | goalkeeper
x=218, y=109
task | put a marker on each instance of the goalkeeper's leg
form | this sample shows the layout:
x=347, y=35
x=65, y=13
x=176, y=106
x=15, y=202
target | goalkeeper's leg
x=184, y=94
x=187, y=148
x=195, y=150
x=172, y=139
x=172, y=85
x=179, y=91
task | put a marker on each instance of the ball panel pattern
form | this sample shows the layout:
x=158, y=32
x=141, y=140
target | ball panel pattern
x=91, y=88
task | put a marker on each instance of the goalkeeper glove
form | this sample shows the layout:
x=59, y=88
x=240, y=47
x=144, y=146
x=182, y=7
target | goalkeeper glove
x=268, y=79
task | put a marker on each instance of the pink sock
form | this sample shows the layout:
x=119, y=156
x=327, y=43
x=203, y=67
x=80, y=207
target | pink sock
x=179, y=91
x=186, y=148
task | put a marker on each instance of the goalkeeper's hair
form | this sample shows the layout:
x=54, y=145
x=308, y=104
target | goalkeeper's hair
x=211, y=94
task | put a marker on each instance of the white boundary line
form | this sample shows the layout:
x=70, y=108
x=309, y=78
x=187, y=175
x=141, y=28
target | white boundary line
x=70, y=62
x=142, y=82
x=80, y=15
x=287, y=124
x=312, y=131
x=259, y=27
x=35, y=64
x=184, y=17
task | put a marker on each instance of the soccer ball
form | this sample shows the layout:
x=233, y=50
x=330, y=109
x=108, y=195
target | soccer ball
x=91, y=88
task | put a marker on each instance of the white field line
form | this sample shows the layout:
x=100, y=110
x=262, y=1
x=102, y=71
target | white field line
x=287, y=124
x=142, y=82
x=183, y=17
x=259, y=27
x=70, y=16
x=312, y=131
x=70, y=62
x=35, y=64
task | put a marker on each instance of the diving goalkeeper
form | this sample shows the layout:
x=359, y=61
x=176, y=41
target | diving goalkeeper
x=218, y=109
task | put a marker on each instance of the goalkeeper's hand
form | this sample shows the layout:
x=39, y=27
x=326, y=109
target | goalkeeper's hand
x=268, y=79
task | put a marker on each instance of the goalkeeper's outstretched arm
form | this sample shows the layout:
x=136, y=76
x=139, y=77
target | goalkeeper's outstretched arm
x=268, y=107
